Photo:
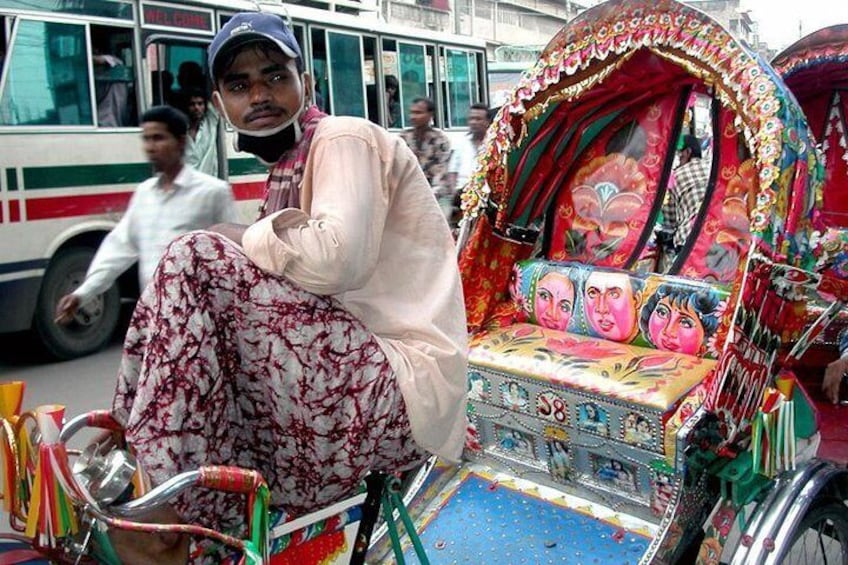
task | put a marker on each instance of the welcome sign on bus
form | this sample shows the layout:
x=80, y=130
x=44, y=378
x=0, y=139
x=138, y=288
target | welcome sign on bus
x=177, y=17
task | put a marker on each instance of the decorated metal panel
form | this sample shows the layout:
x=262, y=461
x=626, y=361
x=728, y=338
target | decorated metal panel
x=554, y=412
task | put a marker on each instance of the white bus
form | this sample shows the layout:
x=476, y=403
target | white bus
x=70, y=151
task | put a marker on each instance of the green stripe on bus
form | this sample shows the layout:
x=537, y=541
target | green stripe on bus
x=85, y=175
x=11, y=180
x=246, y=167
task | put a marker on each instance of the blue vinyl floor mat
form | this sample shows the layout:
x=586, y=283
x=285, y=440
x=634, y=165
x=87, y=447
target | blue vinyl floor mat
x=482, y=523
x=7, y=546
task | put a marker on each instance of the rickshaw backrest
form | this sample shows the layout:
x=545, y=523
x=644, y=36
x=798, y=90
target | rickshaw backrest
x=536, y=281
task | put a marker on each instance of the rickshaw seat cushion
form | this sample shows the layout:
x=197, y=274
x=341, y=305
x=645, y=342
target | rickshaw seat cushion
x=631, y=374
x=537, y=283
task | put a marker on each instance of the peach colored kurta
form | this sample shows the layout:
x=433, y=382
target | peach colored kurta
x=371, y=234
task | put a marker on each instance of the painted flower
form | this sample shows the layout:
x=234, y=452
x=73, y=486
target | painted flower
x=594, y=349
x=609, y=192
x=723, y=520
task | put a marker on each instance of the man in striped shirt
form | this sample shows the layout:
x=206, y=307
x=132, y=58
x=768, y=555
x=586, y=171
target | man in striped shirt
x=685, y=194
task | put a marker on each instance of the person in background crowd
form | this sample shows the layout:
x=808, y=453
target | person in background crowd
x=686, y=194
x=393, y=109
x=432, y=148
x=326, y=340
x=112, y=91
x=464, y=156
x=190, y=78
x=178, y=199
x=202, y=142
x=836, y=373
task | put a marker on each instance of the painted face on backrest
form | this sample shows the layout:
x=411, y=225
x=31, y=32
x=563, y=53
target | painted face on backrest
x=554, y=301
x=675, y=327
x=680, y=319
x=611, y=306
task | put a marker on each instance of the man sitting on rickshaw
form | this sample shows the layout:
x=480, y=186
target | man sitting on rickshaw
x=325, y=340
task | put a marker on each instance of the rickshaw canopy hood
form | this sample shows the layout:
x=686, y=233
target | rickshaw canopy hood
x=815, y=68
x=623, y=51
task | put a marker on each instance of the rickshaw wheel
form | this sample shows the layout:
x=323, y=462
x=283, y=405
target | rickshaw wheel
x=822, y=536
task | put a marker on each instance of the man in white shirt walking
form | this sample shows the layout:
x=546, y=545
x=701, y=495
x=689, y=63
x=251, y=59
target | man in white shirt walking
x=177, y=200
x=464, y=156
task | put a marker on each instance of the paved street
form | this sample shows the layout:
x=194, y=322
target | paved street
x=81, y=385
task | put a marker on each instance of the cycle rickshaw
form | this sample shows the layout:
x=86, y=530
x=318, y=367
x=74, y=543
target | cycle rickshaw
x=627, y=402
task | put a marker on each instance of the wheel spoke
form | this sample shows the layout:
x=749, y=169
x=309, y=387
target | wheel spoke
x=821, y=537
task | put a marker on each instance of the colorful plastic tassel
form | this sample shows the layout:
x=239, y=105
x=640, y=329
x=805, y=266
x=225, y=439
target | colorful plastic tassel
x=51, y=514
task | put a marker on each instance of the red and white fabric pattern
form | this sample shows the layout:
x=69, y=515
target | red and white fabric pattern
x=225, y=364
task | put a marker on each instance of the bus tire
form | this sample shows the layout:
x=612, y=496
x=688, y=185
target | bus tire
x=92, y=326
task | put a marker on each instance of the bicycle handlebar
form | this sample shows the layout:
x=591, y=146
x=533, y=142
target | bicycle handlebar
x=94, y=419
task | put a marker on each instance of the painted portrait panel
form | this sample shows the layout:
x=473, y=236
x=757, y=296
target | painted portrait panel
x=515, y=442
x=680, y=319
x=593, y=418
x=611, y=304
x=479, y=387
x=636, y=429
x=514, y=396
x=614, y=472
x=559, y=460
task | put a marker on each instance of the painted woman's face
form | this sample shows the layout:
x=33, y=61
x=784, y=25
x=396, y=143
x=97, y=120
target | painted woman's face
x=611, y=305
x=554, y=301
x=675, y=329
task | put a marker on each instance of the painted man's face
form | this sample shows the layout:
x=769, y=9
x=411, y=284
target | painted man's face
x=611, y=305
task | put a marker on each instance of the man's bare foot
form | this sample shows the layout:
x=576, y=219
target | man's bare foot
x=138, y=548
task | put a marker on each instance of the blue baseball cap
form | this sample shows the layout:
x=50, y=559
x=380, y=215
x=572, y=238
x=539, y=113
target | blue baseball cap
x=252, y=26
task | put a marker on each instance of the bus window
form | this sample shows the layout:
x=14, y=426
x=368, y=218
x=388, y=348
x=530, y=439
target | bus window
x=319, y=66
x=4, y=41
x=47, y=79
x=373, y=94
x=409, y=62
x=338, y=58
x=460, y=85
x=413, y=75
x=113, y=60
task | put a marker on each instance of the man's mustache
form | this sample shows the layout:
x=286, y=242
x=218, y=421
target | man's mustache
x=264, y=109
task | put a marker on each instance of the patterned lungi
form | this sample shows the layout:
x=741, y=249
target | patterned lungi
x=225, y=364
